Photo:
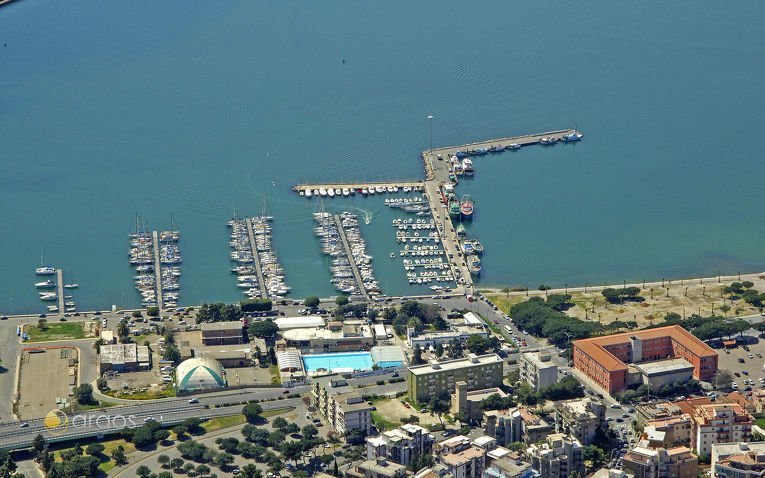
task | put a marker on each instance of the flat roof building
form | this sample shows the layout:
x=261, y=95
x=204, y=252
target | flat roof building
x=604, y=359
x=342, y=407
x=738, y=460
x=647, y=461
x=222, y=333
x=468, y=404
x=437, y=378
x=336, y=337
x=580, y=418
x=124, y=358
x=401, y=445
x=306, y=322
x=538, y=370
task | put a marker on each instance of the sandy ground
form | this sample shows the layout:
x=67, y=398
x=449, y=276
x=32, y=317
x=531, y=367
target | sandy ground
x=682, y=296
x=44, y=376
x=393, y=410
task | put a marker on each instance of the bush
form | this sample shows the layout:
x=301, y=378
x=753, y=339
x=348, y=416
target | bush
x=256, y=305
x=136, y=314
x=152, y=311
x=311, y=301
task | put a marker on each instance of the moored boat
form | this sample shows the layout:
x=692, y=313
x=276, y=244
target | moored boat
x=573, y=137
x=466, y=206
x=454, y=207
x=45, y=270
x=48, y=284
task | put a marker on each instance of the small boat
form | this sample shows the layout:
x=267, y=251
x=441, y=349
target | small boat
x=364, y=191
x=331, y=192
x=69, y=303
x=323, y=192
x=48, y=284
x=454, y=207
x=315, y=192
x=466, y=206
x=52, y=308
x=395, y=189
x=302, y=193
x=467, y=167
x=45, y=271
x=73, y=285
x=573, y=137
x=474, y=265
x=392, y=255
x=461, y=234
x=513, y=146
x=308, y=193
x=379, y=189
x=548, y=140
x=338, y=192
x=49, y=296
x=371, y=190
x=346, y=192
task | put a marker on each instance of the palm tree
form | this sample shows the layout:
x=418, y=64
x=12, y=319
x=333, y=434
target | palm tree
x=506, y=291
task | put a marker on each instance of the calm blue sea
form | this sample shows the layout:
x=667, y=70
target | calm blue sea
x=197, y=108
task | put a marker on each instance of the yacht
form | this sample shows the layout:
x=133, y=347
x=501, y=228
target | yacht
x=346, y=192
x=323, y=192
x=331, y=192
x=48, y=284
x=308, y=193
x=467, y=167
x=379, y=189
x=52, y=308
x=474, y=265
x=71, y=286
x=573, y=137
x=513, y=146
x=548, y=140
x=45, y=270
x=48, y=296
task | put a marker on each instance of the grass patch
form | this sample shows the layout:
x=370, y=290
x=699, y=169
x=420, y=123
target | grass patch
x=276, y=411
x=381, y=423
x=55, y=331
x=105, y=457
x=275, y=377
x=761, y=422
x=78, y=407
x=166, y=392
x=217, y=423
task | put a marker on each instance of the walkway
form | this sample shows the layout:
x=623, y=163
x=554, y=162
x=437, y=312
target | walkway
x=347, y=247
x=256, y=258
x=157, y=270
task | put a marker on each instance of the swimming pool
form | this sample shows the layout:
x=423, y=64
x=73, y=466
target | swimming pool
x=339, y=362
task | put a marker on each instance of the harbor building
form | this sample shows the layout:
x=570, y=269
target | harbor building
x=438, y=378
x=604, y=359
x=351, y=335
x=558, y=456
x=738, y=460
x=580, y=418
x=401, y=445
x=343, y=408
x=290, y=364
x=124, y=358
x=199, y=374
x=222, y=333
x=538, y=370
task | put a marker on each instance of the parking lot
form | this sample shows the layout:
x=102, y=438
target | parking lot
x=745, y=362
x=46, y=376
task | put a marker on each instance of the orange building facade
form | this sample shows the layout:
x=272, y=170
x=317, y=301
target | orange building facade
x=604, y=359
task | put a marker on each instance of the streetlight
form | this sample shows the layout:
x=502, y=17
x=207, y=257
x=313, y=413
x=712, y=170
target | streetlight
x=430, y=120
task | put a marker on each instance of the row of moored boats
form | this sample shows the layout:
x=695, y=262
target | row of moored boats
x=244, y=255
x=142, y=257
x=46, y=290
x=365, y=191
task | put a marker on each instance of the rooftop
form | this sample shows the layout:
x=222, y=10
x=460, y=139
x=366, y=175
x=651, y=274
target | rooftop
x=285, y=323
x=124, y=353
x=662, y=367
x=464, y=456
x=456, y=364
x=214, y=326
x=383, y=467
x=538, y=359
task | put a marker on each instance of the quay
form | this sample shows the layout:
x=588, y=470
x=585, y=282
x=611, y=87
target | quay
x=357, y=186
x=351, y=260
x=157, y=269
x=256, y=259
x=60, y=290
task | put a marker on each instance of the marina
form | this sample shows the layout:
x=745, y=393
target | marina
x=157, y=259
x=261, y=285
x=351, y=189
x=157, y=269
x=170, y=260
x=270, y=272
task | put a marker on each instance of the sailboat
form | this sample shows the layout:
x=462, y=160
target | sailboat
x=71, y=285
x=44, y=270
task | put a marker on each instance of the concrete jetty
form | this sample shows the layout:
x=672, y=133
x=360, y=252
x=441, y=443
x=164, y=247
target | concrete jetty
x=60, y=290
x=358, y=185
x=349, y=254
x=157, y=269
x=256, y=259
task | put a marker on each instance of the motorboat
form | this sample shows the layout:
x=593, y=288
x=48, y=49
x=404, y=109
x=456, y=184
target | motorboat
x=467, y=167
x=49, y=296
x=331, y=192
x=466, y=206
x=73, y=285
x=338, y=192
x=323, y=192
x=52, y=308
x=308, y=193
x=454, y=207
x=548, y=140
x=346, y=192
x=474, y=265
x=513, y=146
x=48, y=284
x=461, y=233
x=45, y=270
x=573, y=137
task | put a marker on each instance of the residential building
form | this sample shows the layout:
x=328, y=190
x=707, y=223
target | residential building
x=533, y=428
x=401, y=445
x=719, y=423
x=351, y=335
x=647, y=460
x=462, y=458
x=124, y=358
x=504, y=425
x=558, y=456
x=222, y=333
x=538, y=370
x=229, y=356
x=508, y=468
x=737, y=397
x=377, y=468
x=459, y=333
x=439, y=378
x=468, y=404
x=580, y=418
x=343, y=408
x=738, y=460
x=675, y=431
x=604, y=359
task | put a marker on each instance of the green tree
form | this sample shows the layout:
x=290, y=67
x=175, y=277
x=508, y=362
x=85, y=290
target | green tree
x=172, y=353
x=152, y=311
x=263, y=328
x=94, y=449
x=439, y=350
x=310, y=431
x=143, y=471
x=163, y=460
x=38, y=443
x=202, y=470
x=279, y=423
x=417, y=357
x=123, y=330
x=439, y=406
x=176, y=464
x=271, y=356
x=222, y=460
x=250, y=471
x=311, y=302
x=83, y=394
x=292, y=450
x=594, y=455
x=42, y=324
x=341, y=300
x=118, y=455
x=477, y=344
x=256, y=305
x=252, y=412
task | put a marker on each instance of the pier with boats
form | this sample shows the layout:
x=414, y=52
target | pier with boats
x=157, y=259
x=56, y=291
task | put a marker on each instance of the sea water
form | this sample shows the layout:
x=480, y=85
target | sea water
x=201, y=109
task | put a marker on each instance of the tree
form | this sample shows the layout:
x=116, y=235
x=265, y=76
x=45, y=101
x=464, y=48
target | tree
x=97, y=345
x=255, y=434
x=439, y=323
x=292, y=428
x=559, y=302
x=276, y=438
x=272, y=355
x=222, y=460
x=172, y=353
x=722, y=379
x=123, y=330
x=176, y=464
x=94, y=449
x=163, y=460
x=202, y=470
x=118, y=455
x=152, y=311
x=228, y=444
x=188, y=468
x=161, y=435
x=311, y=302
x=250, y=471
x=102, y=384
x=83, y=393
x=38, y=443
x=256, y=305
x=439, y=350
x=341, y=300
x=280, y=423
x=8, y=468
x=417, y=357
x=263, y=328
x=594, y=455
x=252, y=412
x=143, y=471
x=275, y=465
x=42, y=324
x=565, y=389
x=310, y=431
x=439, y=406
x=180, y=431
x=477, y=344
x=292, y=450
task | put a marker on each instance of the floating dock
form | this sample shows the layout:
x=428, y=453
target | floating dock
x=157, y=270
x=349, y=254
x=60, y=291
x=357, y=186
x=256, y=259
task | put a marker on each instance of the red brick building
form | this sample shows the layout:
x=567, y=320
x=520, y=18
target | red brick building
x=604, y=359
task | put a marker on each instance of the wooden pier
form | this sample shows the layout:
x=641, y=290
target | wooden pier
x=357, y=186
x=157, y=270
x=347, y=247
x=60, y=291
x=256, y=259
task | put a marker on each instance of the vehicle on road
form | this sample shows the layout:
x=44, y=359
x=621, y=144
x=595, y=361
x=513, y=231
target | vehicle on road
x=193, y=400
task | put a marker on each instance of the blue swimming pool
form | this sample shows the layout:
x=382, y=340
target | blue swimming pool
x=339, y=362
x=389, y=364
